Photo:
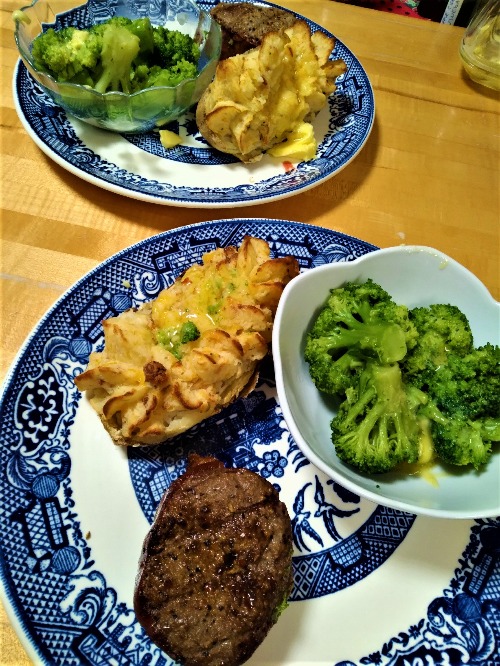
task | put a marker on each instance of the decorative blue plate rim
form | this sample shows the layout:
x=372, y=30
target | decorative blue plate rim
x=60, y=540
x=85, y=151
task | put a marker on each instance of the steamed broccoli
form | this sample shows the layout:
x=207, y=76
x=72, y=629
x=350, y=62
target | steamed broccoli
x=119, y=49
x=464, y=406
x=148, y=77
x=408, y=383
x=141, y=28
x=357, y=322
x=173, y=338
x=172, y=47
x=468, y=384
x=120, y=54
x=68, y=54
x=459, y=440
x=442, y=329
x=376, y=427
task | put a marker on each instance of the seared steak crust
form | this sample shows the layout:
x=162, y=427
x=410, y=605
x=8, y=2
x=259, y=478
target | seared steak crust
x=215, y=565
x=244, y=25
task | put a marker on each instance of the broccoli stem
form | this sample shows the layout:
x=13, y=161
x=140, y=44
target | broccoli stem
x=119, y=48
x=386, y=341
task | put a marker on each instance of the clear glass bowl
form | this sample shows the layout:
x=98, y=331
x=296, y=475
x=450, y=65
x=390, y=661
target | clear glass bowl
x=117, y=111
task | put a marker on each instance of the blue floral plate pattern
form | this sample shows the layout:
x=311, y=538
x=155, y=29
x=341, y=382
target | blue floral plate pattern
x=193, y=174
x=372, y=585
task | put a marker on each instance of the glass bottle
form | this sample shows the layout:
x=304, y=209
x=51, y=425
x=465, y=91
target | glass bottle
x=480, y=48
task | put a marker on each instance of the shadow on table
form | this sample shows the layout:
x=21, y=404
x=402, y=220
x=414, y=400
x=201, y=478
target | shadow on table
x=305, y=206
x=478, y=88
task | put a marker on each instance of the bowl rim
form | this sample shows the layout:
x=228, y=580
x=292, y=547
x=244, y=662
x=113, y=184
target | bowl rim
x=111, y=94
x=289, y=418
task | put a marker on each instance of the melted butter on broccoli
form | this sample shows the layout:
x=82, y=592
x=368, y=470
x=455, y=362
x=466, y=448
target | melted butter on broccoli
x=121, y=55
x=411, y=386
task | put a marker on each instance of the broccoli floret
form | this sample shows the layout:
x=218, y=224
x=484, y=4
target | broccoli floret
x=376, y=427
x=145, y=31
x=413, y=385
x=468, y=384
x=174, y=75
x=458, y=440
x=173, y=338
x=357, y=322
x=119, y=54
x=442, y=329
x=462, y=442
x=172, y=46
x=68, y=54
x=189, y=332
x=148, y=77
x=464, y=406
x=119, y=49
x=142, y=28
x=490, y=428
x=332, y=375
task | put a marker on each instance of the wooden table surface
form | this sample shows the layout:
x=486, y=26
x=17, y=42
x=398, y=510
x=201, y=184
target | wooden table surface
x=428, y=174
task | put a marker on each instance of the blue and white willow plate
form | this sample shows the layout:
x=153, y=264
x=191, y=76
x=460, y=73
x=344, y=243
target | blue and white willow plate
x=194, y=174
x=373, y=585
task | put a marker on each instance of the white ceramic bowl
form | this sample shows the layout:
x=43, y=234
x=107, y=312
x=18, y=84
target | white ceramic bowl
x=414, y=276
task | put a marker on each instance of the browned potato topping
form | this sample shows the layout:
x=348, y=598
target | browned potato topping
x=147, y=385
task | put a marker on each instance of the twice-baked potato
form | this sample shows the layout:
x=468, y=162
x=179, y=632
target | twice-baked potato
x=257, y=98
x=193, y=350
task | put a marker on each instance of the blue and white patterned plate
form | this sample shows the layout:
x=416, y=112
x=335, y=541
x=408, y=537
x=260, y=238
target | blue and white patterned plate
x=373, y=585
x=193, y=174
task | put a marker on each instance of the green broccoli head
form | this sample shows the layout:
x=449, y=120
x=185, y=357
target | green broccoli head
x=413, y=383
x=149, y=77
x=460, y=441
x=142, y=28
x=172, y=47
x=464, y=406
x=469, y=385
x=189, y=332
x=441, y=329
x=119, y=54
x=357, y=322
x=120, y=47
x=68, y=54
x=145, y=31
x=173, y=338
x=331, y=375
x=376, y=427
x=457, y=439
x=490, y=428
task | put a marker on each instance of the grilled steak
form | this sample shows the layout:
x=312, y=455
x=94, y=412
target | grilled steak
x=244, y=25
x=215, y=569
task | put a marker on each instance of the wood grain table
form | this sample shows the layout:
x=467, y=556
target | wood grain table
x=428, y=174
